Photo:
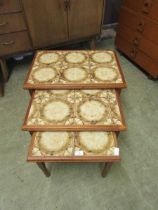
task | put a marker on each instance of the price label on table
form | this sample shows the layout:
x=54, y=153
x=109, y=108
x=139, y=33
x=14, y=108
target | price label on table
x=116, y=151
x=79, y=153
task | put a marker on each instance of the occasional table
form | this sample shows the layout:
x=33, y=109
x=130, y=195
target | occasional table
x=74, y=113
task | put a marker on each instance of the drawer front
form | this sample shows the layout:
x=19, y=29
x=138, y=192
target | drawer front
x=126, y=47
x=134, y=5
x=148, y=8
x=9, y=6
x=145, y=45
x=140, y=24
x=147, y=64
x=153, y=10
x=11, y=23
x=15, y=42
x=139, y=57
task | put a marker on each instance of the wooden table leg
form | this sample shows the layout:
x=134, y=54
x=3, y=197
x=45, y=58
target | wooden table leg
x=117, y=133
x=31, y=133
x=42, y=166
x=92, y=44
x=4, y=69
x=106, y=168
x=31, y=92
x=1, y=89
x=119, y=91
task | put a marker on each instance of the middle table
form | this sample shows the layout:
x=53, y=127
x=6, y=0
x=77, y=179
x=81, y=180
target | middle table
x=74, y=110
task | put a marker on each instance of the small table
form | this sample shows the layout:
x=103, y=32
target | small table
x=75, y=70
x=74, y=147
x=74, y=110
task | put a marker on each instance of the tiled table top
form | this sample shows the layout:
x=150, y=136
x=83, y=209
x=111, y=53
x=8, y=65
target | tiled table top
x=74, y=70
x=74, y=110
x=73, y=146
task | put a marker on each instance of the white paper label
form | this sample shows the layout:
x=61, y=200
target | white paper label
x=78, y=153
x=116, y=151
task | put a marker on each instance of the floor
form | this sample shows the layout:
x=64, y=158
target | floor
x=131, y=184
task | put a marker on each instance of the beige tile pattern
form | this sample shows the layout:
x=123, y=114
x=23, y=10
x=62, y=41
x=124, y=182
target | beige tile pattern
x=73, y=144
x=74, y=107
x=71, y=67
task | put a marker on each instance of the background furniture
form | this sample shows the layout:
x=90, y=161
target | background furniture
x=32, y=24
x=137, y=33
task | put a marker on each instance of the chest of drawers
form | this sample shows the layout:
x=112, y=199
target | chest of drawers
x=137, y=33
x=13, y=31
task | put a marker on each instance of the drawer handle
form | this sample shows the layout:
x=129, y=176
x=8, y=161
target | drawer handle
x=7, y=43
x=140, y=27
x=3, y=24
x=136, y=41
x=147, y=6
x=133, y=53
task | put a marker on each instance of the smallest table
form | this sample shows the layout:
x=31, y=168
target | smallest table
x=73, y=147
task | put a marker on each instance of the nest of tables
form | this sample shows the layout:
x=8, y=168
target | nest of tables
x=74, y=114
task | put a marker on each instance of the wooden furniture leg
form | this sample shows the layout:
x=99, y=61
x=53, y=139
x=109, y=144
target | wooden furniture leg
x=30, y=91
x=31, y=132
x=92, y=44
x=117, y=133
x=106, y=168
x=1, y=89
x=4, y=69
x=42, y=166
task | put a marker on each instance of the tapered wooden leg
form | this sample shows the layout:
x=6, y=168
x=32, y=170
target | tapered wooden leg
x=119, y=91
x=4, y=69
x=42, y=166
x=92, y=44
x=106, y=168
x=117, y=133
x=30, y=91
x=1, y=89
x=31, y=132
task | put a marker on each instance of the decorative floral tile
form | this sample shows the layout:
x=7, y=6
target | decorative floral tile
x=74, y=67
x=54, y=107
x=49, y=144
x=74, y=107
x=99, y=108
x=95, y=143
x=53, y=144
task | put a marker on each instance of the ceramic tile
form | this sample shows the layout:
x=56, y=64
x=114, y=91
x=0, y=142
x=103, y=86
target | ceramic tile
x=74, y=107
x=54, y=107
x=50, y=144
x=74, y=67
x=96, y=107
x=95, y=143
x=53, y=144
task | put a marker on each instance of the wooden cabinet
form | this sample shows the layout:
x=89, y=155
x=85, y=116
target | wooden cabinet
x=137, y=33
x=60, y=21
x=47, y=21
x=84, y=22
x=33, y=24
x=14, y=36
